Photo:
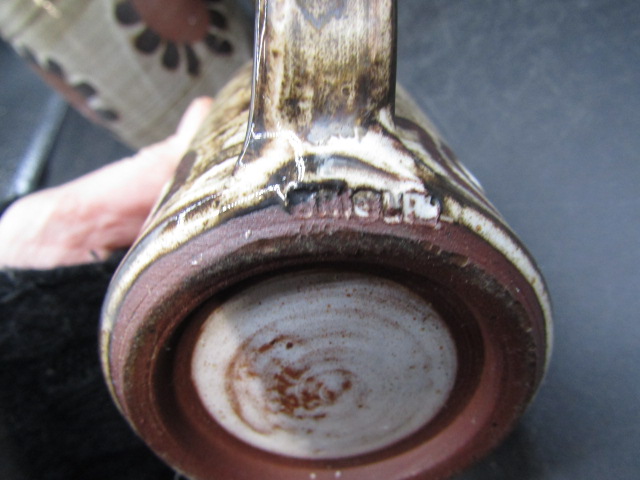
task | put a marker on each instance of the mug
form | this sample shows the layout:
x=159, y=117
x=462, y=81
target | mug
x=131, y=66
x=323, y=291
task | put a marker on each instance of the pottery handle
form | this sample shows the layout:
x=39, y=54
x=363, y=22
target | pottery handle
x=323, y=68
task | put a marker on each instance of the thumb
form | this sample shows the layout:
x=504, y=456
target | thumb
x=192, y=120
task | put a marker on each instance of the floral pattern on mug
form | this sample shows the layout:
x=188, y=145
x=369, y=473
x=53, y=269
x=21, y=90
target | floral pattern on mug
x=81, y=93
x=175, y=30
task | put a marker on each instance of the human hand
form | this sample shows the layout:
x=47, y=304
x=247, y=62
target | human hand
x=88, y=218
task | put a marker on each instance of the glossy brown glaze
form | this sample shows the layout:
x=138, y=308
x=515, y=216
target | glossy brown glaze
x=320, y=170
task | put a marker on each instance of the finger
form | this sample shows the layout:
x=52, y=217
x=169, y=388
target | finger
x=172, y=148
x=193, y=117
x=129, y=188
x=98, y=212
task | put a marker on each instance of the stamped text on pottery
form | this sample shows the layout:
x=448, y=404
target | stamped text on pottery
x=408, y=207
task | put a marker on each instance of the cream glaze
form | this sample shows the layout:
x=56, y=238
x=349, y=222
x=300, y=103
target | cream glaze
x=324, y=364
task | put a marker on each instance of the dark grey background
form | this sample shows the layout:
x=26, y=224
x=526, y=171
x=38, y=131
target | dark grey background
x=541, y=100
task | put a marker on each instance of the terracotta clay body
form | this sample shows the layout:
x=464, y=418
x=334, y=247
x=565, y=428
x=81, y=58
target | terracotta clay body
x=323, y=291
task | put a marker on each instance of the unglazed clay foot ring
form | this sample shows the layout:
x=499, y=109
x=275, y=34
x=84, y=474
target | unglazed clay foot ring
x=281, y=357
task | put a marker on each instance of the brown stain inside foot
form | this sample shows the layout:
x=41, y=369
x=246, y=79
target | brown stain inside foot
x=291, y=391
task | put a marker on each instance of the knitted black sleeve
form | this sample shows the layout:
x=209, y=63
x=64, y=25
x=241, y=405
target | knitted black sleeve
x=57, y=421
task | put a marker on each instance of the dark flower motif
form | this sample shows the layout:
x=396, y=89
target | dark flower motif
x=173, y=28
x=81, y=95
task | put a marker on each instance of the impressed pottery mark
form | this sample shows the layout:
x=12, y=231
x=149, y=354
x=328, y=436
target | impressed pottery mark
x=321, y=13
x=370, y=205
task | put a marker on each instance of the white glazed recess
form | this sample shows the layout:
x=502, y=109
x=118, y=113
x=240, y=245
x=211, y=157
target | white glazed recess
x=320, y=364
